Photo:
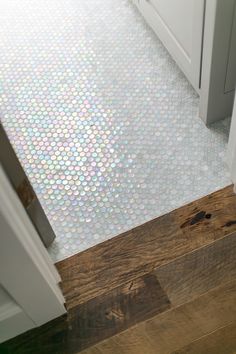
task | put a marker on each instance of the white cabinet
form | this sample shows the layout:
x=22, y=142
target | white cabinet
x=201, y=37
x=179, y=25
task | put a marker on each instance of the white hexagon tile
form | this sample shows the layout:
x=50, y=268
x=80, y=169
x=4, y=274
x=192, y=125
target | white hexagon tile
x=103, y=121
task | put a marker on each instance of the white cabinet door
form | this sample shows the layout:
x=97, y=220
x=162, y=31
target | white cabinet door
x=179, y=25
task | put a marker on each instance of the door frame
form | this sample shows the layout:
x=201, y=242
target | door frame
x=24, y=189
x=27, y=272
x=231, y=153
x=215, y=101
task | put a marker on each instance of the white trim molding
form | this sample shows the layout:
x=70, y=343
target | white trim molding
x=27, y=273
x=215, y=101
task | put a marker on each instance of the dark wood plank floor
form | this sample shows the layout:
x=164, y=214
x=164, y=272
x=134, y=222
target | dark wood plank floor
x=176, y=328
x=163, y=287
x=222, y=341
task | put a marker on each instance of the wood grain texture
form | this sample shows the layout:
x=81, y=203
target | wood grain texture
x=176, y=328
x=222, y=341
x=96, y=320
x=143, y=249
x=200, y=271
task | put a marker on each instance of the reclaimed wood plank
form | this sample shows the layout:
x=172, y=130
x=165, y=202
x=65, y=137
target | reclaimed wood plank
x=197, y=272
x=143, y=249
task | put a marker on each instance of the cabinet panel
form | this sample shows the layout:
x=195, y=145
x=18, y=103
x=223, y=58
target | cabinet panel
x=178, y=17
x=13, y=320
x=179, y=25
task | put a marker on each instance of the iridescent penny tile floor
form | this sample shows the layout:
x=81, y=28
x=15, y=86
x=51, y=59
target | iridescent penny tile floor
x=103, y=121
